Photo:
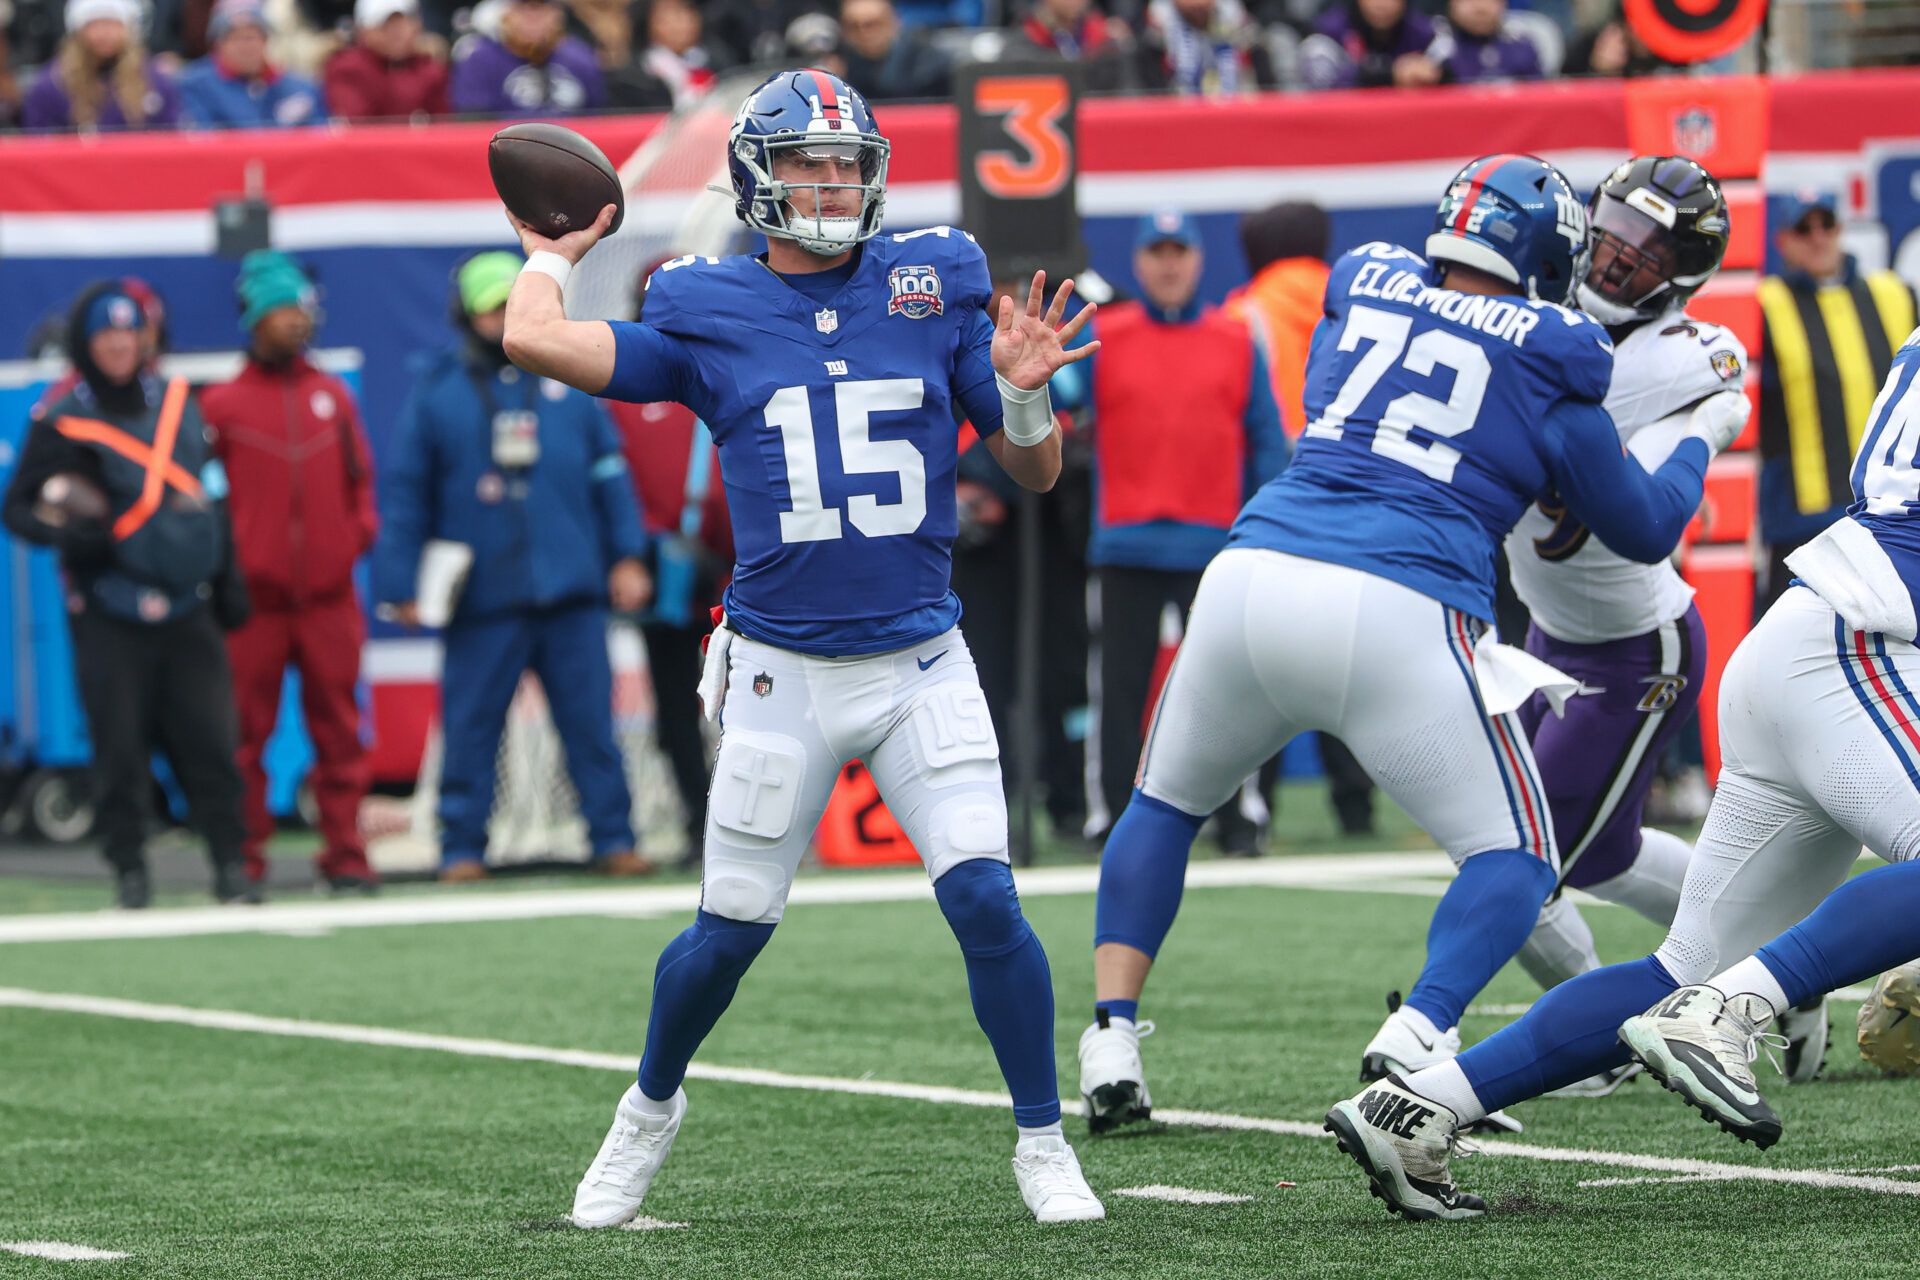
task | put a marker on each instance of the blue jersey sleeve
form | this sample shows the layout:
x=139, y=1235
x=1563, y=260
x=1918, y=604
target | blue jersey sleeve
x=1570, y=350
x=1637, y=515
x=650, y=366
x=973, y=386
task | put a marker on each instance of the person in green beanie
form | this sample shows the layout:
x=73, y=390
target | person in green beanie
x=529, y=475
x=303, y=514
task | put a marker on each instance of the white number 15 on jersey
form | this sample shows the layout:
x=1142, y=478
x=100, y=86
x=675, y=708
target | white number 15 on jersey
x=854, y=403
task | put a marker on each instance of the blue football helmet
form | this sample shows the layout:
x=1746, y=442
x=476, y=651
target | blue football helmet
x=815, y=116
x=1515, y=218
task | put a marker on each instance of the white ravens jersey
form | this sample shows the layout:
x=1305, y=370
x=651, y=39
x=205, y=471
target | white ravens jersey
x=1578, y=590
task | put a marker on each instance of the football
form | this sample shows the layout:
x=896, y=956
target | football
x=70, y=496
x=553, y=179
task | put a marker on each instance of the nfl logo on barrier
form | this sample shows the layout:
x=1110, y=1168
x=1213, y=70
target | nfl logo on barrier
x=916, y=293
x=826, y=320
x=1694, y=131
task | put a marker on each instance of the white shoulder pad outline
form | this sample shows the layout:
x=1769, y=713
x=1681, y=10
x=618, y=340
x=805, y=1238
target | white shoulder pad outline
x=1377, y=250
x=943, y=232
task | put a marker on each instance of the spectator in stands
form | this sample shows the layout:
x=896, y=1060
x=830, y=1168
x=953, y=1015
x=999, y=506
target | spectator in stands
x=676, y=476
x=1286, y=246
x=756, y=30
x=387, y=73
x=1475, y=45
x=1076, y=31
x=672, y=66
x=1203, y=47
x=528, y=475
x=883, y=61
x=813, y=40
x=1186, y=429
x=1370, y=44
x=10, y=92
x=101, y=77
x=942, y=13
x=235, y=86
x=302, y=506
x=1828, y=334
x=527, y=66
x=1613, y=49
x=150, y=584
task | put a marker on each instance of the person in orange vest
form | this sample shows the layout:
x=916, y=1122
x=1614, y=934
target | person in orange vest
x=1286, y=247
x=119, y=476
x=303, y=514
x=1185, y=429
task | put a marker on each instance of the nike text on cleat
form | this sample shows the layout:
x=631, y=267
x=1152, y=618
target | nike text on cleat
x=1051, y=1182
x=1701, y=1045
x=1400, y=1047
x=1805, y=1027
x=1111, y=1077
x=1402, y=1142
x=635, y=1148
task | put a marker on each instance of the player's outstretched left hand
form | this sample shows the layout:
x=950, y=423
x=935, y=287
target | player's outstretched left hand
x=1027, y=349
x=572, y=246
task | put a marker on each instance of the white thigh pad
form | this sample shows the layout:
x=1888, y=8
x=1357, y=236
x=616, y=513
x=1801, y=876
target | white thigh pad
x=953, y=734
x=756, y=785
x=969, y=825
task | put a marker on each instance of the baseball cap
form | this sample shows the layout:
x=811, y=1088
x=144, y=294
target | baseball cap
x=371, y=13
x=112, y=310
x=1799, y=204
x=486, y=279
x=1167, y=225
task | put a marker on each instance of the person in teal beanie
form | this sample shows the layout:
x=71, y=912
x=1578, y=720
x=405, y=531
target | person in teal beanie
x=235, y=87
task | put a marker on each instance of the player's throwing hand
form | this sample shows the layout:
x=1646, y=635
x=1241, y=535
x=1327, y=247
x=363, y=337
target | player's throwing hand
x=1027, y=350
x=572, y=246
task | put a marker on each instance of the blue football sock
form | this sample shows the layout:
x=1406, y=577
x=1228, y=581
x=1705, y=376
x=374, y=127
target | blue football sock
x=1142, y=871
x=1481, y=922
x=1572, y=1032
x=1128, y=1009
x=1011, y=985
x=693, y=984
x=1868, y=925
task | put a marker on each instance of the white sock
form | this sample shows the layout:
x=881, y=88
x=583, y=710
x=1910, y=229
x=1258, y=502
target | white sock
x=1422, y=1024
x=1652, y=884
x=1446, y=1084
x=651, y=1108
x=1751, y=977
x=1560, y=946
x=1043, y=1131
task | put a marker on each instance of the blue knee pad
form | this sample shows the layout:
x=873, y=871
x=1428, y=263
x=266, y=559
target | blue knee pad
x=982, y=908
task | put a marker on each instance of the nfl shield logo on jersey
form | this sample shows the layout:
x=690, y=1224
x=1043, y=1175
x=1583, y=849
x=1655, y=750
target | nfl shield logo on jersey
x=916, y=293
x=762, y=685
x=826, y=320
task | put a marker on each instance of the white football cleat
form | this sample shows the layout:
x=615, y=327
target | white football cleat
x=635, y=1148
x=1702, y=1045
x=1805, y=1027
x=1051, y=1182
x=1112, y=1079
x=1401, y=1047
x=1402, y=1141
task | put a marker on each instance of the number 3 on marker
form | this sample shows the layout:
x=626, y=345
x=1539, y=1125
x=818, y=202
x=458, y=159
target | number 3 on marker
x=1033, y=106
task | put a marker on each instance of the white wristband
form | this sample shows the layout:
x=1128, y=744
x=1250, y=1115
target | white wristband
x=1027, y=413
x=551, y=265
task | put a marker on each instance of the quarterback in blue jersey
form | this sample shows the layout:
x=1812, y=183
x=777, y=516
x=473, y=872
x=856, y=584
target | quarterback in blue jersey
x=1444, y=395
x=1820, y=750
x=831, y=370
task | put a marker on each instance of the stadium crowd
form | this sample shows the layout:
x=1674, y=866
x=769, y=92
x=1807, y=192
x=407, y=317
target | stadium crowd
x=111, y=64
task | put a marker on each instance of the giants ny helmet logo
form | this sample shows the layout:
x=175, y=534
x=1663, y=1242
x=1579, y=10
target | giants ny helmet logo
x=916, y=293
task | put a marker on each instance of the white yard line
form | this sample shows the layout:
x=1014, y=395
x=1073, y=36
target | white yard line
x=1180, y=1195
x=644, y=1223
x=59, y=1251
x=1845, y=995
x=389, y=1037
x=1345, y=871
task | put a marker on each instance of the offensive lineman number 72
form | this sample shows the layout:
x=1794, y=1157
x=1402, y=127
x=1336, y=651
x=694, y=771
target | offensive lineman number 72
x=854, y=404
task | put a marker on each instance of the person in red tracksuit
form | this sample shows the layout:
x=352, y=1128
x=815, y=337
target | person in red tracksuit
x=303, y=513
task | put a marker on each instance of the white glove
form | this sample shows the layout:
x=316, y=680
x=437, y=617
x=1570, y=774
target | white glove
x=1719, y=418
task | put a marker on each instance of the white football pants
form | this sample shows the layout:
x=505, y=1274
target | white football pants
x=1278, y=644
x=1820, y=754
x=790, y=722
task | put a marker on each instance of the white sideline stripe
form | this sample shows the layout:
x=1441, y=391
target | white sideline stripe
x=60, y=1252
x=1844, y=995
x=1181, y=1195
x=391, y=1037
x=1330, y=871
x=644, y=1223
x=1645, y=1181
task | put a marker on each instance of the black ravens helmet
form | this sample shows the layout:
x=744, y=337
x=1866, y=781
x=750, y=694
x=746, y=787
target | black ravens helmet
x=1659, y=231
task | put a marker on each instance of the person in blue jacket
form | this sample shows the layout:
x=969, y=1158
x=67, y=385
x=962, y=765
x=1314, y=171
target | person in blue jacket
x=235, y=87
x=529, y=474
